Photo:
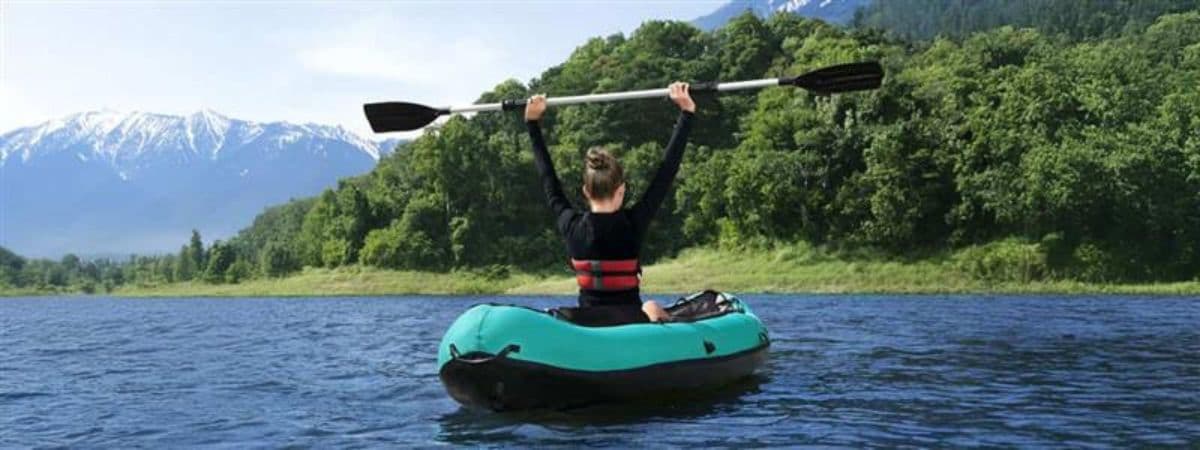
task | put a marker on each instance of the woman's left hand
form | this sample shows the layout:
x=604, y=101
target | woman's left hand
x=680, y=95
x=535, y=107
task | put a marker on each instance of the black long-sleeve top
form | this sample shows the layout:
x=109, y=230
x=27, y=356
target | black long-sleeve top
x=609, y=236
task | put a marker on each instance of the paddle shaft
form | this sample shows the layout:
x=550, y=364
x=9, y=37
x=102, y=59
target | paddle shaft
x=509, y=105
x=405, y=116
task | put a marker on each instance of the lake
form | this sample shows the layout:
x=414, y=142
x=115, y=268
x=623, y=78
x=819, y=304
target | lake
x=844, y=370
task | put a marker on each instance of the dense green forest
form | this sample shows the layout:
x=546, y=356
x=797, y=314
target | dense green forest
x=1070, y=158
x=1073, y=19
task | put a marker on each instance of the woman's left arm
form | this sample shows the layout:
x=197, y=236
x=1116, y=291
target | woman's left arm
x=563, y=212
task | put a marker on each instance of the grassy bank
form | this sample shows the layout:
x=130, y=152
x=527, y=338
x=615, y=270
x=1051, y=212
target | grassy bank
x=7, y=291
x=799, y=269
x=781, y=270
x=356, y=280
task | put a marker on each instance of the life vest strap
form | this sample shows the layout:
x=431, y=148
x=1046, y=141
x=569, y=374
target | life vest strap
x=607, y=275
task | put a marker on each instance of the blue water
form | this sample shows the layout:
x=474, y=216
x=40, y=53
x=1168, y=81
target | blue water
x=360, y=372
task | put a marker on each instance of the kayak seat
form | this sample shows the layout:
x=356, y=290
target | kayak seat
x=701, y=306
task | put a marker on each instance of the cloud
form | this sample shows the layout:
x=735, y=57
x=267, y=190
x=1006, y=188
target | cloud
x=407, y=55
x=399, y=58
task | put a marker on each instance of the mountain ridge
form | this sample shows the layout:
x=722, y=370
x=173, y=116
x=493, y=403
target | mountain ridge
x=106, y=181
x=110, y=130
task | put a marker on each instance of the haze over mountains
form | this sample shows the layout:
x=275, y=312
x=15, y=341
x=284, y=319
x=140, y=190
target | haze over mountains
x=112, y=183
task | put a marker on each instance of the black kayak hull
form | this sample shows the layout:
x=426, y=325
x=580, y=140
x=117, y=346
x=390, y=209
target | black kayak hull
x=500, y=383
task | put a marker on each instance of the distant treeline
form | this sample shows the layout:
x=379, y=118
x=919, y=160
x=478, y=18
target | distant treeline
x=1082, y=156
x=216, y=264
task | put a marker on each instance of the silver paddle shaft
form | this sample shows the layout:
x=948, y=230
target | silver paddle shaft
x=618, y=96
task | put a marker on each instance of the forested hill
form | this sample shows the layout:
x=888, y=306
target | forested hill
x=1087, y=151
x=1074, y=19
x=1061, y=160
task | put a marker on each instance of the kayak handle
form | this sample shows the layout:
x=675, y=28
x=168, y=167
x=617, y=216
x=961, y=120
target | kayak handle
x=510, y=348
x=478, y=357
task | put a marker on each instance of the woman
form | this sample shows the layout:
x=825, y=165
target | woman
x=604, y=243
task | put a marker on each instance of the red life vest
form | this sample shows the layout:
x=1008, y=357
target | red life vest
x=607, y=275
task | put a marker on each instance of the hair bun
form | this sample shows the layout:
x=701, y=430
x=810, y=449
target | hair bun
x=597, y=159
x=603, y=176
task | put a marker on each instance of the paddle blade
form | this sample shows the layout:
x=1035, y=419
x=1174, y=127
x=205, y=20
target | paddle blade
x=399, y=116
x=842, y=78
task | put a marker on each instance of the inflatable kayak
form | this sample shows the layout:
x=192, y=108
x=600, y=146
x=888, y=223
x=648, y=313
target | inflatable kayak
x=505, y=357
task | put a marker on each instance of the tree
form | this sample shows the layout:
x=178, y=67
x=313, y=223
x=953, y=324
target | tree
x=185, y=268
x=196, y=250
x=219, y=259
x=10, y=267
x=277, y=259
x=238, y=271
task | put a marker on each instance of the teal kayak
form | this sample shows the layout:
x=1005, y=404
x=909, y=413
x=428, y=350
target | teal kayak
x=505, y=357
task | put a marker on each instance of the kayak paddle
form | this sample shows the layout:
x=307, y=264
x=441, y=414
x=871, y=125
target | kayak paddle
x=404, y=116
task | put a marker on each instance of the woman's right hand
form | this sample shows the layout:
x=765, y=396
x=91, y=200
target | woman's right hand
x=535, y=107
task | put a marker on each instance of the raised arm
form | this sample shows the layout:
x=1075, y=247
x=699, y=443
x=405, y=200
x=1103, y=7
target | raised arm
x=545, y=166
x=656, y=192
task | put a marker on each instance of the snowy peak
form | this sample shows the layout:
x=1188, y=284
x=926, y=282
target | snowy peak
x=835, y=11
x=810, y=7
x=209, y=116
x=791, y=5
x=206, y=131
x=94, y=122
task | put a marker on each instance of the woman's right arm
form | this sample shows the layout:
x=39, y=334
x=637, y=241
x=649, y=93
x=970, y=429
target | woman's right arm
x=643, y=212
x=559, y=204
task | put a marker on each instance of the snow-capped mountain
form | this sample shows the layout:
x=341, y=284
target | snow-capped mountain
x=111, y=182
x=126, y=139
x=834, y=11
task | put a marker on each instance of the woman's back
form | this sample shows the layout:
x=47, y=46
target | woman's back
x=604, y=244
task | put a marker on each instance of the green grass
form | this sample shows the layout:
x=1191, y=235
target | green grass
x=784, y=269
x=7, y=291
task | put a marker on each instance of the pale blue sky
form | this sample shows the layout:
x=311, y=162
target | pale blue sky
x=295, y=61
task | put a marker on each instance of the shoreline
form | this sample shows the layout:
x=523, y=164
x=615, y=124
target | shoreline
x=785, y=270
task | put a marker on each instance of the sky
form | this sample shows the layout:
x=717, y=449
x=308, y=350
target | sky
x=299, y=61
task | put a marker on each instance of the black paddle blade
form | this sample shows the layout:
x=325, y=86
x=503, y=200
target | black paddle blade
x=399, y=116
x=841, y=78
